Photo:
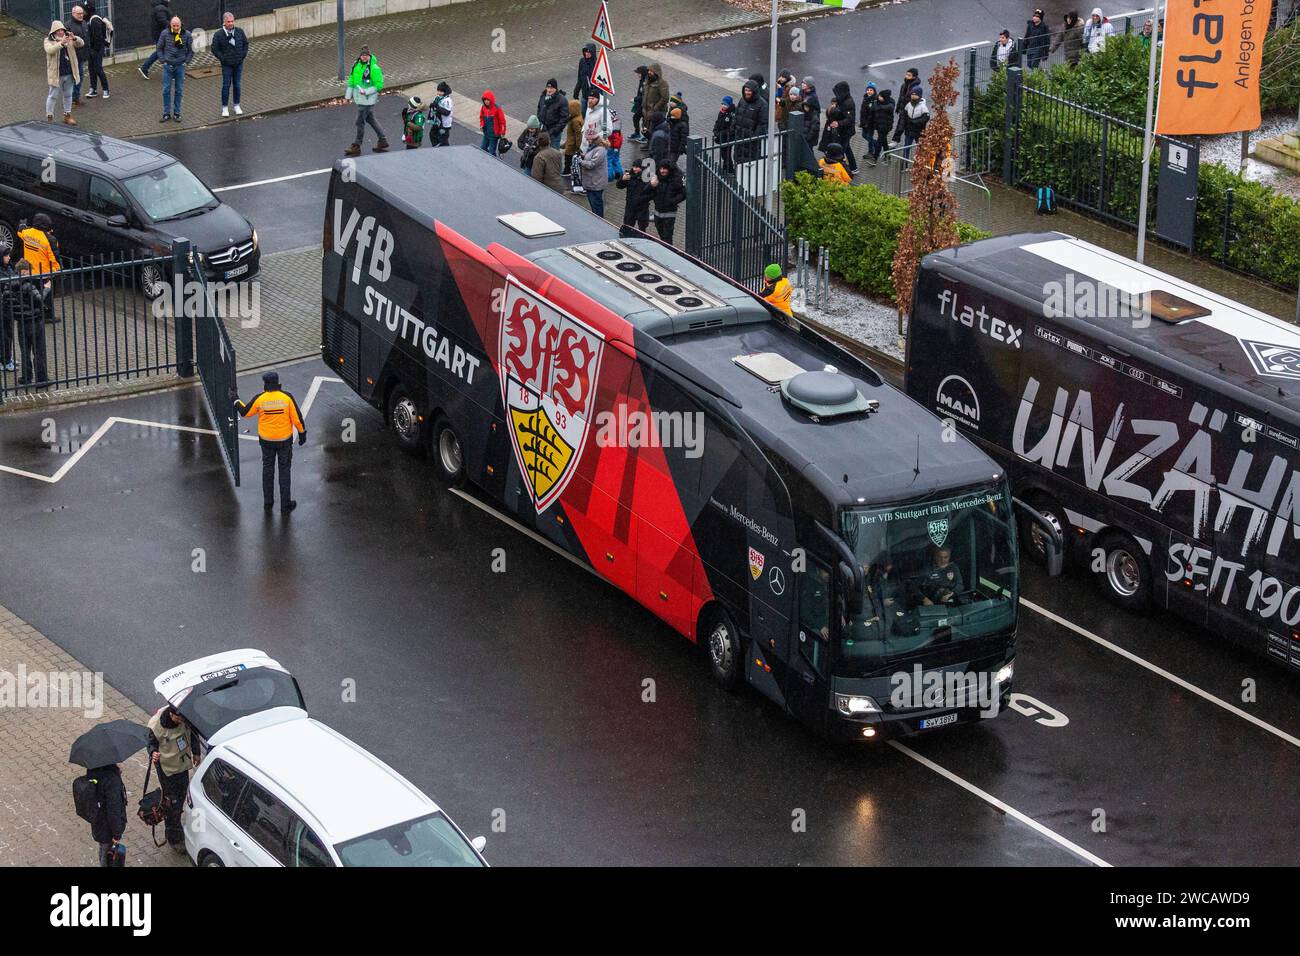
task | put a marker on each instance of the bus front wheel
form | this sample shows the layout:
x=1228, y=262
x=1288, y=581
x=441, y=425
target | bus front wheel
x=447, y=455
x=1122, y=571
x=724, y=649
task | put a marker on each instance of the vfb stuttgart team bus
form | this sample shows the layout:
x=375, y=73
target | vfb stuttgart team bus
x=761, y=491
x=1155, y=423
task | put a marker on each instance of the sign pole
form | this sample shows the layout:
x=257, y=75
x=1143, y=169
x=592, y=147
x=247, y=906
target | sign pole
x=1147, y=138
x=771, y=116
x=338, y=19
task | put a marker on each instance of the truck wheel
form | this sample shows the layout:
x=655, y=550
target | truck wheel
x=1033, y=539
x=1125, y=575
x=404, y=419
x=447, y=456
x=724, y=649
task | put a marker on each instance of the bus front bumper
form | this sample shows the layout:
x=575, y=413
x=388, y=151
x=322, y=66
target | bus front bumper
x=881, y=725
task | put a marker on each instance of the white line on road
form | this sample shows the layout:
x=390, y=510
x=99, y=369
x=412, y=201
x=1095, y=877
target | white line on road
x=1156, y=669
x=1005, y=808
x=277, y=179
x=90, y=443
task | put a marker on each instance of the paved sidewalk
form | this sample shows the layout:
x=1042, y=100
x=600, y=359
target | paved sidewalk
x=38, y=826
x=292, y=69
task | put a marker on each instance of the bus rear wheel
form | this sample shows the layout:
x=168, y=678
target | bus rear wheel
x=447, y=455
x=1125, y=574
x=724, y=649
x=404, y=418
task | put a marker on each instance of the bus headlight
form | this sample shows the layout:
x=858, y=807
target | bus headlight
x=852, y=705
x=1005, y=673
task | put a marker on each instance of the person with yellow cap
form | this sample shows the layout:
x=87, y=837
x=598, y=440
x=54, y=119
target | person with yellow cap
x=277, y=419
x=777, y=289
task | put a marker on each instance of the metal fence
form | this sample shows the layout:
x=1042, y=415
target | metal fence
x=1091, y=160
x=87, y=324
x=214, y=358
x=730, y=224
x=972, y=158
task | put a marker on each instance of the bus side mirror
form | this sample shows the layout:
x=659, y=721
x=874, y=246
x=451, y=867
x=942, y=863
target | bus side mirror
x=850, y=589
x=1053, y=542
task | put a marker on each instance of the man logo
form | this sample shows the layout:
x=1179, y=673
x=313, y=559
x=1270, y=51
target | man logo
x=1276, y=361
x=756, y=562
x=939, y=531
x=956, y=398
x=549, y=368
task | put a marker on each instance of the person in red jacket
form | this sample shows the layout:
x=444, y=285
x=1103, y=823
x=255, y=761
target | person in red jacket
x=492, y=121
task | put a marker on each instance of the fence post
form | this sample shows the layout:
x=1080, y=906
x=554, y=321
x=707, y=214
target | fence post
x=694, y=196
x=970, y=87
x=1227, y=228
x=183, y=322
x=1011, y=123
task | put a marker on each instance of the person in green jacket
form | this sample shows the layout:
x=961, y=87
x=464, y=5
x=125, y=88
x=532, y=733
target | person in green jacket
x=413, y=122
x=364, y=84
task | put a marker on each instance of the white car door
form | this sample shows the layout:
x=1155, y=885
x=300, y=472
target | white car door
x=225, y=786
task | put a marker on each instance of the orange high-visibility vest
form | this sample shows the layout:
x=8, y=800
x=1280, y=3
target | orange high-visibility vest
x=277, y=415
x=38, y=251
x=779, y=295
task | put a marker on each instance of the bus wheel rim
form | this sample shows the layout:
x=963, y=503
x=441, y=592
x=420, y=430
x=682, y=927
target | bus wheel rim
x=405, y=420
x=1122, y=572
x=720, y=647
x=449, y=451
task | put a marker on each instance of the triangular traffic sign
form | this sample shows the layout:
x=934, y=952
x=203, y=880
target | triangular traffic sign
x=601, y=78
x=602, y=32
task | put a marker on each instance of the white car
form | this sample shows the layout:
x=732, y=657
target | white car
x=277, y=788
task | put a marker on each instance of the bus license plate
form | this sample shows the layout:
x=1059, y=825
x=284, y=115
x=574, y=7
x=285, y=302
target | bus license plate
x=938, y=721
x=231, y=273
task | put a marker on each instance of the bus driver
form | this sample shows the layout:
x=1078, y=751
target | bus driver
x=938, y=584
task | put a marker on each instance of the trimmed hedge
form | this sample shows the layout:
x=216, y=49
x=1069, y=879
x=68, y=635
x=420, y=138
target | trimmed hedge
x=860, y=226
x=1265, y=231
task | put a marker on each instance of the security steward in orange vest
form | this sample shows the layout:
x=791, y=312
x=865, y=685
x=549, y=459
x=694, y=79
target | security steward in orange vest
x=777, y=288
x=38, y=248
x=277, y=418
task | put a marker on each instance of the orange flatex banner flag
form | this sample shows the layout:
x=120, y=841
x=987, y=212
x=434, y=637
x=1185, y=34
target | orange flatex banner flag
x=1209, y=67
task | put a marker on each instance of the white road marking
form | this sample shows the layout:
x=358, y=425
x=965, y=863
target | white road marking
x=1156, y=669
x=115, y=419
x=90, y=443
x=277, y=179
x=1005, y=808
x=488, y=509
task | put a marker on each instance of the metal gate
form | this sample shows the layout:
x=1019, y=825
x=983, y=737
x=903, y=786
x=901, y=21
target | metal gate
x=728, y=224
x=214, y=357
x=88, y=324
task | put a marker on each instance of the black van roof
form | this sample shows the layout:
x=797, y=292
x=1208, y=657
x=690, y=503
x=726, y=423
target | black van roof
x=83, y=148
x=878, y=454
x=1229, y=348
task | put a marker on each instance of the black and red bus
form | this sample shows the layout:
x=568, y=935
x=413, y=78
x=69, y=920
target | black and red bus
x=757, y=488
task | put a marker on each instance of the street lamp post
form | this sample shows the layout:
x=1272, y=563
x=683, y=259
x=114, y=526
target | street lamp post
x=774, y=180
x=338, y=19
x=1148, y=138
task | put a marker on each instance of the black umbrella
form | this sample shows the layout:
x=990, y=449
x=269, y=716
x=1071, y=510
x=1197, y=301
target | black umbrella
x=108, y=743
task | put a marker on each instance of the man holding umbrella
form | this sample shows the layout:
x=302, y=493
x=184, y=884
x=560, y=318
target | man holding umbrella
x=100, y=795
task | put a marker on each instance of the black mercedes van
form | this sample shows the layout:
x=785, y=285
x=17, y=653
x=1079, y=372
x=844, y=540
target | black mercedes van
x=107, y=195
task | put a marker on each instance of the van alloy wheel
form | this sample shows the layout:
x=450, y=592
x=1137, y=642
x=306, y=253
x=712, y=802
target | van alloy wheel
x=152, y=283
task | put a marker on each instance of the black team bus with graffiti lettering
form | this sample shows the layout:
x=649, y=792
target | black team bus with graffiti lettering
x=758, y=489
x=1155, y=423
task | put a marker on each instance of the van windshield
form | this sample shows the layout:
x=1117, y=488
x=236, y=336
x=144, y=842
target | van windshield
x=170, y=192
x=935, y=572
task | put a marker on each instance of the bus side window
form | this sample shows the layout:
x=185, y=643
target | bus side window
x=814, y=612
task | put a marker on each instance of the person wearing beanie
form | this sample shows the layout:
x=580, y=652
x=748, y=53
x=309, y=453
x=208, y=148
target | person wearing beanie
x=529, y=142
x=364, y=84
x=1037, y=42
x=277, y=419
x=915, y=116
x=668, y=191
x=440, y=116
x=724, y=131
x=413, y=117
x=548, y=164
x=636, y=208
x=812, y=108
x=832, y=165
x=777, y=289
x=865, y=112
x=882, y=119
x=553, y=110
x=679, y=128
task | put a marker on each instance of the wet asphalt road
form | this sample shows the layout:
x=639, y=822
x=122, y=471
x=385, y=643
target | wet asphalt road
x=521, y=692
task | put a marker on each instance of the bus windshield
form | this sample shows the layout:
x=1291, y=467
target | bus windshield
x=935, y=572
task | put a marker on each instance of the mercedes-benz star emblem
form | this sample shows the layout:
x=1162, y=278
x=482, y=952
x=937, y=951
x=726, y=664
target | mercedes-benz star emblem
x=776, y=580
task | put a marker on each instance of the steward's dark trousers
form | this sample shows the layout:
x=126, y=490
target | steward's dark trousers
x=174, y=788
x=271, y=451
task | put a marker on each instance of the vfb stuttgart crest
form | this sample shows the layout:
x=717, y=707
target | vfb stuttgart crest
x=549, y=368
x=939, y=531
x=756, y=562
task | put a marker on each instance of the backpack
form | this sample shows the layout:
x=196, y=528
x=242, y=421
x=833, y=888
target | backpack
x=85, y=797
x=1046, y=203
x=108, y=26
